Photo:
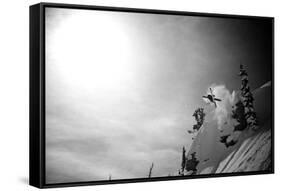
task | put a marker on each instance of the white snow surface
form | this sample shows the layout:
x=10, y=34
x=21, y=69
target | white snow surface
x=252, y=155
x=207, y=170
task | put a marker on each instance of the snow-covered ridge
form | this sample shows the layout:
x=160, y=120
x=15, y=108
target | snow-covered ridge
x=268, y=84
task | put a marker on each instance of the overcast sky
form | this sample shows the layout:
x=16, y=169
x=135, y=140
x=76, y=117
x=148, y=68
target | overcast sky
x=121, y=87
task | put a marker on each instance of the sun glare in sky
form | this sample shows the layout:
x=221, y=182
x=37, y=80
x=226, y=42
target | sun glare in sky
x=96, y=54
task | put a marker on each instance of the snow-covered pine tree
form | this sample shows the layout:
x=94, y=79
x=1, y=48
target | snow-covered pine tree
x=183, y=162
x=199, y=115
x=247, y=100
x=191, y=164
x=238, y=113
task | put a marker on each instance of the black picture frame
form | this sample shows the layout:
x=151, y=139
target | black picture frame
x=37, y=94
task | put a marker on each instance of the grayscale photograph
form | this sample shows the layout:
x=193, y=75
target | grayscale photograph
x=133, y=95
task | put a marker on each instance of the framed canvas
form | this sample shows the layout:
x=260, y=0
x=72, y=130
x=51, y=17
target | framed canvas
x=121, y=95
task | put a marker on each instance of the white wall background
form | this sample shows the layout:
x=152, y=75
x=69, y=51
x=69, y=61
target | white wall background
x=14, y=88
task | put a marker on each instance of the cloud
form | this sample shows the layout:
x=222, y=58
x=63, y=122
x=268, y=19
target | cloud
x=121, y=142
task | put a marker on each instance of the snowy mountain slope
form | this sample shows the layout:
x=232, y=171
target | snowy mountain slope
x=253, y=155
x=215, y=157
